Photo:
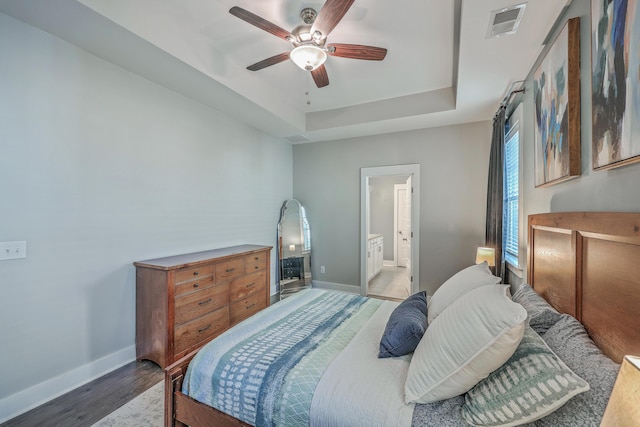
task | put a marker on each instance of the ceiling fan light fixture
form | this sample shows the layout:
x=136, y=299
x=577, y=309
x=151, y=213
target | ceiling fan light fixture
x=308, y=57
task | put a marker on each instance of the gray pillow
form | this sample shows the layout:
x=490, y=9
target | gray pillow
x=569, y=340
x=542, y=315
x=405, y=327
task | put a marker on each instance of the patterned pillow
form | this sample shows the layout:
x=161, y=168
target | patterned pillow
x=533, y=383
x=542, y=315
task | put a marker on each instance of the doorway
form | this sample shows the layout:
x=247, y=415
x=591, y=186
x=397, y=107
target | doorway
x=390, y=209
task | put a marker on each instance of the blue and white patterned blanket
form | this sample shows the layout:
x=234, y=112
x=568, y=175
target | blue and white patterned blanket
x=264, y=371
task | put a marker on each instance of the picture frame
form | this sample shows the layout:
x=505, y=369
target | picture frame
x=556, y=93
x=615, y=93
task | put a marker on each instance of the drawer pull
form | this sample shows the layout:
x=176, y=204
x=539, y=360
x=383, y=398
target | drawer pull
x=205, y=301
x=256, y=258
x=251, y=284
x=257, y=267
x=229, y=270
x=251, y=306
x=195, y=273
x=201, y=330
x=195, y=285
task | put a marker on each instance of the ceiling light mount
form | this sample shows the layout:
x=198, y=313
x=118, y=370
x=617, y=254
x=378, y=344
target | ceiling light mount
x=308, y=15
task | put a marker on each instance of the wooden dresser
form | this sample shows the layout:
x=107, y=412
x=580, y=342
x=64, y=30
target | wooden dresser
x=184, y=301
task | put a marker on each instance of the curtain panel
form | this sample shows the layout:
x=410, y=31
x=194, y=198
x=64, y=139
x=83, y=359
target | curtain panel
x=495, y=191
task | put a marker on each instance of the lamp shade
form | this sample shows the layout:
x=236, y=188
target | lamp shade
x=292, y=248
x=486, y=254
x=308, y=56
x=623, y=409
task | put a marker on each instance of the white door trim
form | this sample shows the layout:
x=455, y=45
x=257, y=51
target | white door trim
x=365, y=174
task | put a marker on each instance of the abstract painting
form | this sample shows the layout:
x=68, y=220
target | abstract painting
x=556, y=94
x=615, y=63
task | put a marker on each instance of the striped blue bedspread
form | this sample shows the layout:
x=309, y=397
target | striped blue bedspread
x=264, y=370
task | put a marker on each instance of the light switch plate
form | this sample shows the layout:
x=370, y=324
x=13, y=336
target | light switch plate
x=13, y=250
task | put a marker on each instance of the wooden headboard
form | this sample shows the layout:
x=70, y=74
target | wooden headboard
x=587, y=264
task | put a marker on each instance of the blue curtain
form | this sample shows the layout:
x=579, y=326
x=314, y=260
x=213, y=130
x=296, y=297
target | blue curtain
x=495, y=190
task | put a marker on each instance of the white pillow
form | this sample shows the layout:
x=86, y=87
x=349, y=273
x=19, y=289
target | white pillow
x=470, y=339
x=458, y=285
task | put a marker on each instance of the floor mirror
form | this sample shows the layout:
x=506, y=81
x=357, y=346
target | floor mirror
x=294, y=249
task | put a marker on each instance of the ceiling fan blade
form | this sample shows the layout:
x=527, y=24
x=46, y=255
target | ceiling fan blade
x=320, y=76
x=357, y=51
x=269, y=62
x=329, y=16
x=259, y=22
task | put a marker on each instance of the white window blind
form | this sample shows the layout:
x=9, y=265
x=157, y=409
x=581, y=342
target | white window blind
x=511, y=196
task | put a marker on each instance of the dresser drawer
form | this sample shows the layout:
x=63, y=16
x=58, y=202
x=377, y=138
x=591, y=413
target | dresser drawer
x=194, y=273
x=229, y=269
x=247, y=285
x=255, y=262
x=246, y=307
x=190, y=334
x=195, y=304
x=193, y=285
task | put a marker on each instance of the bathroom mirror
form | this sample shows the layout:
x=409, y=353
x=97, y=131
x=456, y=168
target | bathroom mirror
x=294, y=249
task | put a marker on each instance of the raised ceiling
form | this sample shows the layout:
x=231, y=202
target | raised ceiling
x=440, y=69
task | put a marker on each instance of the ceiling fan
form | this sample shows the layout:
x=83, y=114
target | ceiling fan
x=309, y=40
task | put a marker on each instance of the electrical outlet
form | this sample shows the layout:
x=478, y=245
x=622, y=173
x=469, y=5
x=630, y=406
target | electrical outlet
x=322, y=269
x=13, y=250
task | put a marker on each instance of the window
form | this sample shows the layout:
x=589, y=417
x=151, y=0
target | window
x=510, y=226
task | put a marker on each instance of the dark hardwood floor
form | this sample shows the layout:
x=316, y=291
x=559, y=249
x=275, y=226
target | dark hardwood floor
x=91, y=402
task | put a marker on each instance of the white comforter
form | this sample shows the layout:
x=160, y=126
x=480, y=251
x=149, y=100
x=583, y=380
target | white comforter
x=358, y=389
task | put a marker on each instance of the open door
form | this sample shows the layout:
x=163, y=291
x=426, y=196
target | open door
x=403, y=254
x=403, y=200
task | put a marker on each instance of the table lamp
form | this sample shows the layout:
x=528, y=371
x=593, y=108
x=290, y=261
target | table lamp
x=623, y=409
x=486, y=254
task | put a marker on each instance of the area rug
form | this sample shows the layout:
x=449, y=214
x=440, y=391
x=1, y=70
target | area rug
x=146, y=410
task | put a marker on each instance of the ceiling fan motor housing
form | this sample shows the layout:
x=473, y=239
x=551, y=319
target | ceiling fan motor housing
x=302, y=35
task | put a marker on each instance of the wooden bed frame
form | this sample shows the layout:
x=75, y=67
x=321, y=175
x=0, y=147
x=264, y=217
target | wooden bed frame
x=586, y=264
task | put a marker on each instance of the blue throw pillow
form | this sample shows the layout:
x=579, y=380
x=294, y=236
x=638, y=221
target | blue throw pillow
x=405, y=327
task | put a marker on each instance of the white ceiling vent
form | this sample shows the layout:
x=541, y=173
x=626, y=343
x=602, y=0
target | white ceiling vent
x=505, y=21
x=296, y=138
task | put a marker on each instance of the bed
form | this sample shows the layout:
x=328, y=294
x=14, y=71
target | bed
x=586, y=266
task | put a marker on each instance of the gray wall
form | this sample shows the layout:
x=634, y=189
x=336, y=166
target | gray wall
x=100, y=168
x=613, y=190
x=381, y=210
x=454, y=163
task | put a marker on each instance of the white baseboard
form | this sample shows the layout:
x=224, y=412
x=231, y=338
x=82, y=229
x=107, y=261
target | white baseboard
x=388, y=263
x=336, y=287
x=36, y=395
x=274, y=299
